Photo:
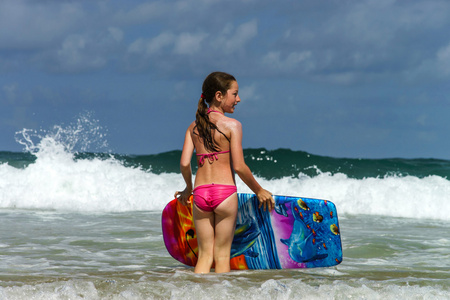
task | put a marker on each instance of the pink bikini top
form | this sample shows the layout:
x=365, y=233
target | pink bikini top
x=213, y=155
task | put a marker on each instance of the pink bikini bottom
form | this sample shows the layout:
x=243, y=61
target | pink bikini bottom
x=207, y=197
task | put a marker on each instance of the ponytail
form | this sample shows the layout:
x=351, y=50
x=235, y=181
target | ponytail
x=202, y=109
x=204, y=126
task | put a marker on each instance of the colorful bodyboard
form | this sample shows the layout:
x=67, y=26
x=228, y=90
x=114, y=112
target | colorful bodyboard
x=298, y=233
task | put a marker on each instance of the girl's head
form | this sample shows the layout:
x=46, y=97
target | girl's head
x=216, y=82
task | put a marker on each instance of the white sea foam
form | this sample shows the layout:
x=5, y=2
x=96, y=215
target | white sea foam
x=217, y=289
x=57, y=181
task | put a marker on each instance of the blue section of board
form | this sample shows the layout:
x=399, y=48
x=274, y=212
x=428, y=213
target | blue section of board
x=262, y=254
x=299, y=233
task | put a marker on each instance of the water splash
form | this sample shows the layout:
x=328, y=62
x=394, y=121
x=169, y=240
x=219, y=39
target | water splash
x=66, y=177
x=86, y=134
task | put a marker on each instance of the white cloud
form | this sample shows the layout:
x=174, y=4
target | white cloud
x=443, y=59
x=300, y=61
x=73, y=54
x=422, y=119
x=12, y=94
x=163, y=50
x=244, y=33
x=166, y=11
x=431, y=68
x=188, y=43
x=249, y=93
x=160, y=42
x=32, y=24
x=342, y=78
x=62, y=36
x=365, y=41
x=116, y=34
x=142, y=13
x=85, y=52
x=233, y=39
x=184, y=43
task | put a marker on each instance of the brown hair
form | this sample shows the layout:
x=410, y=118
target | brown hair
x=214, y=82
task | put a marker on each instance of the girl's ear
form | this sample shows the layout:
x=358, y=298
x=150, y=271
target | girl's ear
x=218, y=96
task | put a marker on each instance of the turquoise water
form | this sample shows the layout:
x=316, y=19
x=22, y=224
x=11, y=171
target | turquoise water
x=273, y=164
x=77, y=225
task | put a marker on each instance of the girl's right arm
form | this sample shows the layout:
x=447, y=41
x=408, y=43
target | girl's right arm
x=240, y=167
x=185, y=168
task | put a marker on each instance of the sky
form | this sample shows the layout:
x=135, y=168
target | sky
x=340, y=78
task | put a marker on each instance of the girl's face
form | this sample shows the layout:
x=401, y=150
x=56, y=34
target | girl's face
x=231, y=99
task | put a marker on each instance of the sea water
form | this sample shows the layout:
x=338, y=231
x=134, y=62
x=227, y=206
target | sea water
x=81, y=225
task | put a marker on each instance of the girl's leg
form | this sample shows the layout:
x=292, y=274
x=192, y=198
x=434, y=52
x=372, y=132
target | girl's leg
x=204, y=227
x=225, y=224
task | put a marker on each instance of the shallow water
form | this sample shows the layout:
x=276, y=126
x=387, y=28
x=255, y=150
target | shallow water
x=66, y=255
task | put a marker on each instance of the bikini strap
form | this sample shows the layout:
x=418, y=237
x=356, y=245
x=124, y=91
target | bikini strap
x=212, y=110
x=210, y=156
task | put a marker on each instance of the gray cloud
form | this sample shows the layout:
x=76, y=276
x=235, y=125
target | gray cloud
x=361, y=73
x=337, y=43
x=31, y=25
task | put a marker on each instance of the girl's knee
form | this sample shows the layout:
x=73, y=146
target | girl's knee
x=222, y=264
x=219, y=258
x=206, y=255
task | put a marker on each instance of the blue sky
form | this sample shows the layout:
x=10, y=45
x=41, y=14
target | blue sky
x=366, y=79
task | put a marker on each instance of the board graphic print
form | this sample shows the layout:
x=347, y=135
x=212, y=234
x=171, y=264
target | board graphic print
x=298, y=233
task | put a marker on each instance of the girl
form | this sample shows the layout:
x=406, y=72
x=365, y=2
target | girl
x=217, y=140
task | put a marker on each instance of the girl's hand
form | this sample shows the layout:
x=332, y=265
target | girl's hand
x=184, y=196
x=265, y=198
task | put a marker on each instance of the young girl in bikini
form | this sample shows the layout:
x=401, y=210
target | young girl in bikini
x=217, y=140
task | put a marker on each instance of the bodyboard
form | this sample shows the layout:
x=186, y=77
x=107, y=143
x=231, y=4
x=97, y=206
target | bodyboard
x=298, y=233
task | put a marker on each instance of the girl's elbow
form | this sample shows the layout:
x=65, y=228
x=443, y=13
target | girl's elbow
x=185, y=166
x=240, y=168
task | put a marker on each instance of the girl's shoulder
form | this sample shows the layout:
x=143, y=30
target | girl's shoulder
x=191, y=127
x=231, y=124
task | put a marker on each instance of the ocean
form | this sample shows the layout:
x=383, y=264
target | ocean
x=79, y=224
